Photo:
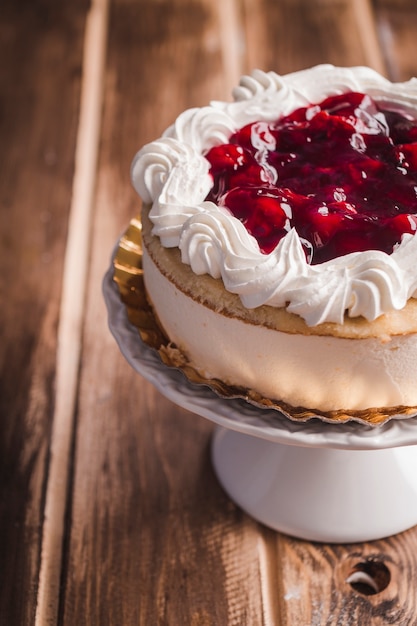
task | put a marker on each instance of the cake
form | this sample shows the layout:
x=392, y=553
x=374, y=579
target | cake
x=280, y=254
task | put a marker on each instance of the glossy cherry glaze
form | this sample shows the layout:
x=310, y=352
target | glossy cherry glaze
x=343, y=173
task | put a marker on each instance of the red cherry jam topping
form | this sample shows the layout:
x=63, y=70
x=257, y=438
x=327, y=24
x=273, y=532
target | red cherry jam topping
x=343, y=173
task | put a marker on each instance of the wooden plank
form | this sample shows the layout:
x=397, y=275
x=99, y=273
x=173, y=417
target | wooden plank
x=71, y=312
x=290, y=35
x=316, y=587
x=397, y=25
x=39, y=86
x=157, y=539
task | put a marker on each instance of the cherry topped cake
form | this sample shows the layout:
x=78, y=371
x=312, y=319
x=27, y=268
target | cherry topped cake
x=279, y=231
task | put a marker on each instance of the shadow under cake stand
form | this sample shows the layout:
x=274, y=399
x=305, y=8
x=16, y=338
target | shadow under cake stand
x=346, y=482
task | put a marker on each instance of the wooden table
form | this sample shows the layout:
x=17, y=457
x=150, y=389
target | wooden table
x=110, y=512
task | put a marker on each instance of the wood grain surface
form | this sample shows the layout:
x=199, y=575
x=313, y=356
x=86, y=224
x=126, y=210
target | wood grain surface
x=110, y=513
x=40, y=69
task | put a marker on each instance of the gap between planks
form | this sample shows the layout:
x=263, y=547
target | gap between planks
x=72, y=311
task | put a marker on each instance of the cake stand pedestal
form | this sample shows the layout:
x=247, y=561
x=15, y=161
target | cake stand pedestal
x=320, y=494
x=317, y=481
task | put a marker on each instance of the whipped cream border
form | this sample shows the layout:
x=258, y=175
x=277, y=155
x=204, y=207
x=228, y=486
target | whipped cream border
x=172, y=175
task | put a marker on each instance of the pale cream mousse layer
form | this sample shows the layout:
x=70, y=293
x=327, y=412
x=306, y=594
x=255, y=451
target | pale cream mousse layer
x=351, y=366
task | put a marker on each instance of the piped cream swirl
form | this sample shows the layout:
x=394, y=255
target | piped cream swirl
x=173, y=176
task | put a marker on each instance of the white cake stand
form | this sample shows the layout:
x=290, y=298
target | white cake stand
x=323, y=482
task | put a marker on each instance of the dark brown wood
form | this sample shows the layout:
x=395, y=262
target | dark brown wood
x=352, y=584
x=290, y=35
x=40, y=69
x=396, y=25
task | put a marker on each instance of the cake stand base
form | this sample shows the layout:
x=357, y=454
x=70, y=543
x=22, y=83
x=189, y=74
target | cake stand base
x=319, y=494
